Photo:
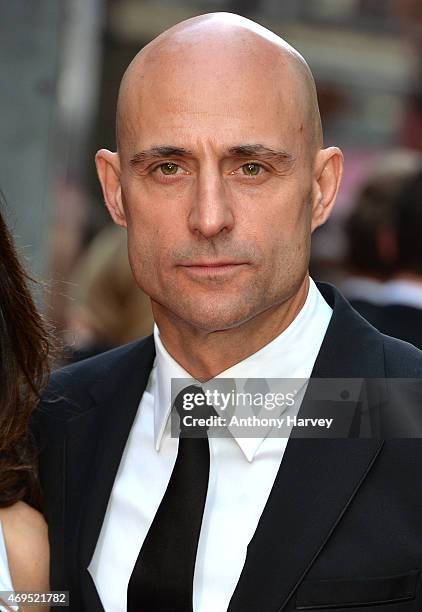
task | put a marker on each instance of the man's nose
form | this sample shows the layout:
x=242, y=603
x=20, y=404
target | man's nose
x=211, y=211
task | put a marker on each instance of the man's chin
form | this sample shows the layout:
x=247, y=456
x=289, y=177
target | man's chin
x=208, y=311
x=212, y=319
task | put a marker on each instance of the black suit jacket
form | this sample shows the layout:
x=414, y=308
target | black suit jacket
x=342, y=528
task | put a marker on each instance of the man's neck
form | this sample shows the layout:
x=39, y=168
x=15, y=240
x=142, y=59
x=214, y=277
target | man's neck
x=205, y=354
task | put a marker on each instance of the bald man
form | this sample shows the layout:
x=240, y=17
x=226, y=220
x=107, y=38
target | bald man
x=220, y=178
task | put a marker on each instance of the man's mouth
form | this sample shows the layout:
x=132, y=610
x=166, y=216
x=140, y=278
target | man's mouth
x=216, y=268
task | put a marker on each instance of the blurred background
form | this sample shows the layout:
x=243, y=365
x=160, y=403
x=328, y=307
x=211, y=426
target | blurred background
x=60, y=68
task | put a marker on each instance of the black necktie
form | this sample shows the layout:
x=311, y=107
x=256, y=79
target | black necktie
x=162, y=579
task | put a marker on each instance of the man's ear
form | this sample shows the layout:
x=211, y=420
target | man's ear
x=328, y=170
x=108, y=170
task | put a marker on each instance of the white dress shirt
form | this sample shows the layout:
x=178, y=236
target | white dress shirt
x=242, y=471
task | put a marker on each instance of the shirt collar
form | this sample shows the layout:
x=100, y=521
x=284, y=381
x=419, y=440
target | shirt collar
x=291, y=354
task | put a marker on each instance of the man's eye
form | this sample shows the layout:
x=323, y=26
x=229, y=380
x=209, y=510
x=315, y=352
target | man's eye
x=251, y=169
x=168, y=168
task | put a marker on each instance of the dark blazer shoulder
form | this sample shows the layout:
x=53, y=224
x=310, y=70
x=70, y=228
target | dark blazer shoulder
x=401, y=358
x=69, y=389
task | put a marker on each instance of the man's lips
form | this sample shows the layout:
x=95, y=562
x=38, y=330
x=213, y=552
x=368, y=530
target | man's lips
x=213, y=268
x=213, y=264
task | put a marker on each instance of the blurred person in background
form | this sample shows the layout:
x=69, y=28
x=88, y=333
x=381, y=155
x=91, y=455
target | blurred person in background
x=108, y=308
x=370, y=232
x=409, y=13
x=24, y=348
x=400, y=313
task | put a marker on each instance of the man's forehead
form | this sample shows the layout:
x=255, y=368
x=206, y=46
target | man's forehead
x=249, y=109
x=201, y=134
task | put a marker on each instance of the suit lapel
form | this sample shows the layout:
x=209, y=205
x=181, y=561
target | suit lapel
x=103, y=429
x=350, y=352
x=317, y=478
x=352, y=348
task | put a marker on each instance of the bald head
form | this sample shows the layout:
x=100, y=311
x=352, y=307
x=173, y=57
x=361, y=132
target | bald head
x=209, y=55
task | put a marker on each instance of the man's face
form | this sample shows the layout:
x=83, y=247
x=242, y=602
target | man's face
x=216, y=180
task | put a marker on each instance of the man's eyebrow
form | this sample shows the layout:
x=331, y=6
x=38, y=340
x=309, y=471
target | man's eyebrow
x=244, y=150
x=259, y=150
x=160, y=152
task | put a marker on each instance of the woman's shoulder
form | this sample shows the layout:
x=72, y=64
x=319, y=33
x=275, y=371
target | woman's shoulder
x=26, y=539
